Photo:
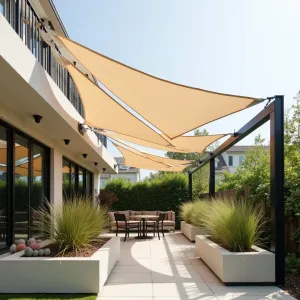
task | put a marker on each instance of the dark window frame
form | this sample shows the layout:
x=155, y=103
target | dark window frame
x=230, y=160
x=85, y=173
x=11, y=133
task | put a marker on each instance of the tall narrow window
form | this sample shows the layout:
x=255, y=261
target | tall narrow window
x=21, y=187
x=241, y=158
x=230, y=160
x=66, y=179
x=3, y=186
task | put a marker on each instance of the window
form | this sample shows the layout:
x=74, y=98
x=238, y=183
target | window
x=241, y=158
x=230, y=160
x=77, y=181
x=24, y=184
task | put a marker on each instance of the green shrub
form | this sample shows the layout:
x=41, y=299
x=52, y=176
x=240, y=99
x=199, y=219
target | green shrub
x=164, y=192
x=199, y=211
x=74, y=227
x=234, y=225
x=292, y=264
x=186, y=211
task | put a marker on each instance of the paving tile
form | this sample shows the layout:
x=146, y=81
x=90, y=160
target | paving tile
x=127, y=290
x=185, y=290
x=204, y=297
x=124, y=298
x=129, y=260
x=131, y=269
x=206, y=273
x=129, y=278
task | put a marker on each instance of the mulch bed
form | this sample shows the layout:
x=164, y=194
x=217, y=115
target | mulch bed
x=292, y=285
x=84, y=252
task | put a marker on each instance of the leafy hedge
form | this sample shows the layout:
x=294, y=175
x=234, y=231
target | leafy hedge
x=165, y=192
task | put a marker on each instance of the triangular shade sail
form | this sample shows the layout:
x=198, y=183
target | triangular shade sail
x=104, y=112
x=134, y=158
x=172, y=108
x=184, y=144
x=20, y=152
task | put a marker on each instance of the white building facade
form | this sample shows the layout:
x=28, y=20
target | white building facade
x=43, y=154
x=128, y=173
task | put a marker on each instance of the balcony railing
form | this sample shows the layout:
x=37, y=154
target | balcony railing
x=22, y=17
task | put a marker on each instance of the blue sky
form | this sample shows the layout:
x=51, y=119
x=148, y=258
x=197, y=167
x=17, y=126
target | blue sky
x=235, y=46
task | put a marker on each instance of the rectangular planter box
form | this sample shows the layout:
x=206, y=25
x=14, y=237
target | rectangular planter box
x=235, y=268
x=191, y=231
x=59, y=274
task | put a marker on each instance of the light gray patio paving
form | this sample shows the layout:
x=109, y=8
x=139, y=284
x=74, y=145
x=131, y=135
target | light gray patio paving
x=168, y=269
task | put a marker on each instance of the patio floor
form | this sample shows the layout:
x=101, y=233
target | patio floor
x=168, y=269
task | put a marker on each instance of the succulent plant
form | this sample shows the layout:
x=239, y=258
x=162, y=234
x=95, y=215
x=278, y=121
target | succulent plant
x=35, y=253
x=21, y=241
x=35, y=246
x=20, y=247
x=47, y=252
x=28, y=252
x=41, y=252
x=31, y=241
x=13, y=249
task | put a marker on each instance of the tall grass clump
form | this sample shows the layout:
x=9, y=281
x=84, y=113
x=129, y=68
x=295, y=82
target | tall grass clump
x=199, y=211
x=74, y=227
x=185, y=211
x=234, y=225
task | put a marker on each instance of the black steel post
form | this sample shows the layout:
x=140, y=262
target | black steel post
x=190, y=186
x=277, y=186
x=212, y=177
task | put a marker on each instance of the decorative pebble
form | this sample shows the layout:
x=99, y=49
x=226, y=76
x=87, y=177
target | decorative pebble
x=35, y=253
x=13, y=249
x=28, y=252
x=31, y=241
x=21, y=241
x=41, y=252
x=47, y=252
x=20, y=247
x=35, y=246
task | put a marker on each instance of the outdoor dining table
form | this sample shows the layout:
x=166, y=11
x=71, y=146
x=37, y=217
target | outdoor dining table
x=143, y=218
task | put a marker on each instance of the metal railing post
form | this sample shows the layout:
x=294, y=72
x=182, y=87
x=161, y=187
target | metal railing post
x=212, y=178
x=190, y=186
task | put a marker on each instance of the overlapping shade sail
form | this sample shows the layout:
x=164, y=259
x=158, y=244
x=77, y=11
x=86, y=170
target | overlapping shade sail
x=172, y=108
x=104, y=112
x=135, y=158
x=184, y=144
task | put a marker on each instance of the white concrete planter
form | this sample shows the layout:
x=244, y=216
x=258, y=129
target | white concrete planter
x=237, y=267
x=59, y=275
x=191, y=231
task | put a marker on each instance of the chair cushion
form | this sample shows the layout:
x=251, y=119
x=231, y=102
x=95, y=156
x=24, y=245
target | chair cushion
x=111, y=215
x=150, y=212
x=135, y=212
x=168, y=222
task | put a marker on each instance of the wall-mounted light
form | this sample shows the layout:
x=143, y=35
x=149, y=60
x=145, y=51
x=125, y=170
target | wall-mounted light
x=87, y=75
x=103, y=170
x=95, y=163
x=67, y=141
x=37, y=118
x=81, y=128
x=115, y=166
x=74, y=63
x=84, y=155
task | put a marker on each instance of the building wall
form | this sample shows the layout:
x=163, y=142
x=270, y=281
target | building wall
x=27, y=89
x=235, y=159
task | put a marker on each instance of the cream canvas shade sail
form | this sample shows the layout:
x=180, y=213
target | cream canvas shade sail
x=172, y=108
x=134, y=158
x=182, y=144
x=104, y=112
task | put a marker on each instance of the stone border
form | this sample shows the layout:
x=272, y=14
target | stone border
x=59, y=274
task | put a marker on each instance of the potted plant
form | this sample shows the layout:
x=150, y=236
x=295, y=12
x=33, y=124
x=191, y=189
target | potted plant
x=80, y=260
x=192, y=214
x=230, y=249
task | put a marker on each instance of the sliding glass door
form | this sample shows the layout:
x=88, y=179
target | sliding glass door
x=24, y=184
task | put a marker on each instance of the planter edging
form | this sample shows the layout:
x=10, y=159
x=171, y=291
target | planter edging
x=190, y=231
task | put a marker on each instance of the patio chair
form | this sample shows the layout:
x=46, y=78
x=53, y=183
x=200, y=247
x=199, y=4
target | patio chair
x=156, y=223
x=122, y=222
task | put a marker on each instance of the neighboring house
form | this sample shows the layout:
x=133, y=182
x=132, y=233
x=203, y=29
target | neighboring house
x=229, y=160
x=40, y=109
x=129, y=173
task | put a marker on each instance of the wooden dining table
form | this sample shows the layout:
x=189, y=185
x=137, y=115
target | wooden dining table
x=143, y=218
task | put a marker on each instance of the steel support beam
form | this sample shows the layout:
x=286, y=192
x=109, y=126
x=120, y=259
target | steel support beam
x=190, y=186
x=212, y=178
x=253, y=124
x=277, y=186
